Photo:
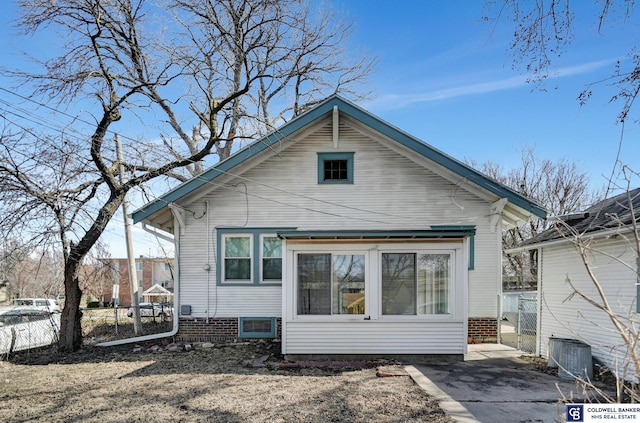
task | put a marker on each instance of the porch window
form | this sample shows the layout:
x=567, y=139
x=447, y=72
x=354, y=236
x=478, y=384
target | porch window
x=331, y=284
x=237, y=258
x=416, y=284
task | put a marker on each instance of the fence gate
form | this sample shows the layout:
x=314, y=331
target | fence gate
x=527, y=324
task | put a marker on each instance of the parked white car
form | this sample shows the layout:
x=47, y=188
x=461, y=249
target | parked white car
x=23, y=328
x=152, y=310
x=39, y=303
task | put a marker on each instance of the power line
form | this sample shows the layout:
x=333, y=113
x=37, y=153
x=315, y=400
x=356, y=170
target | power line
x=231, y=187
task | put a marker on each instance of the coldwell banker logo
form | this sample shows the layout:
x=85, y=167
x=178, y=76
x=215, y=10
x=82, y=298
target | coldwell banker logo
x=575, y=413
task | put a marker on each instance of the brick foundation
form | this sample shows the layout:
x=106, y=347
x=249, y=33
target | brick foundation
x=217, y=329
x=480, y=329
x=483, y=329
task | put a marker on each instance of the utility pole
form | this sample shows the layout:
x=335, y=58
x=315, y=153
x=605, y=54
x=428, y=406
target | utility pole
x=133, y=277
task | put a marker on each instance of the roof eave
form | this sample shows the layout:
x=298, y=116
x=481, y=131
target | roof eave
x=390, y=131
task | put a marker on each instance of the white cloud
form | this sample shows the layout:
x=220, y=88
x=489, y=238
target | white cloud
x=396, y=101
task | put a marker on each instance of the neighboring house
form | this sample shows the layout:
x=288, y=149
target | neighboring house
x=342, y=235
x=605, y=229
x=149, y=272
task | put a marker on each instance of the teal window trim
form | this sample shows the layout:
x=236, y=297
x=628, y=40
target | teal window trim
x=472, y=252
x=243, y=334
x=256, y=261
x=324, y=157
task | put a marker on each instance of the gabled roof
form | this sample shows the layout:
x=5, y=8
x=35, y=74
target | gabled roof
x=610, y=214
x=156, y=290
x=362, y=116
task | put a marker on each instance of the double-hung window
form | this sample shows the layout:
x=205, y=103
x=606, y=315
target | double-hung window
x=237, y=258
x=271, y=256
x=249, y=256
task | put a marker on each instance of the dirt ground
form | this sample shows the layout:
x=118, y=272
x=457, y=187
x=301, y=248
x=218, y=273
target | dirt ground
x=246, y=382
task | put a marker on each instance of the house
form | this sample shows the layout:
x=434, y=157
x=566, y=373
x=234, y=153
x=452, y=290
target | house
x=604, y=232
x=342, y=235
x=155, y=279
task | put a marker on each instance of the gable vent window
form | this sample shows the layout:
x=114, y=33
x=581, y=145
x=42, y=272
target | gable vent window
x=335, y=168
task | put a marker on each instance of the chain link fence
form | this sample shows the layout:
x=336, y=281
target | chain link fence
x=527, y=324
x=108, y=324
x=22, y=329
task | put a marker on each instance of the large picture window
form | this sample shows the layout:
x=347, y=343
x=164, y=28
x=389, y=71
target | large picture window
x=331, y=284
x=416, y=284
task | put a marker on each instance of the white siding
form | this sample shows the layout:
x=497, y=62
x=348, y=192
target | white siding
x=242, y=301
x=567, y=316
x=390, y=191
x=388, y=334
x=368, y=337
x=485, y=279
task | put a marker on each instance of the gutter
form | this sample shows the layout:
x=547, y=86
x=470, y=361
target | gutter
x=553, y=242
x=157, y=234
x=176, y=295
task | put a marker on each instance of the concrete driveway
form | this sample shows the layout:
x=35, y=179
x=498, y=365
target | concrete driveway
x=493, y=386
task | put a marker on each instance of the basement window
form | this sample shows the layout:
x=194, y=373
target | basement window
x=257, y=327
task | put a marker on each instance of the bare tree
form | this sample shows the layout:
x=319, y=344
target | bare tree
x=96, y=275
x=544, y=30
x=202, y=75
x=625, y=221
x=560, y=187
x=11, y=255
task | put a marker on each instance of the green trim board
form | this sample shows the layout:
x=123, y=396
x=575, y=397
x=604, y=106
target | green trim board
x=465, y=172
x=255, y=234
x=444, y=232
x=324, y=157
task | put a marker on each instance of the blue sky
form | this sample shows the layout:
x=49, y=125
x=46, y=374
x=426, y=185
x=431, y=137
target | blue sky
x=446, y=77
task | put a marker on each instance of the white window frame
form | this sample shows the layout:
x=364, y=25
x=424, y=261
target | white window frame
x=452, y=289
x=334, y=250
x=373, y=278
x=223, y=263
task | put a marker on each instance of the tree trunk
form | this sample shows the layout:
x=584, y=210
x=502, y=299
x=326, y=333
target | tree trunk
x=70, y=322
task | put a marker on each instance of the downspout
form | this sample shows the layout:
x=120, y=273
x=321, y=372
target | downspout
x=176, y=292
x=207, y=267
